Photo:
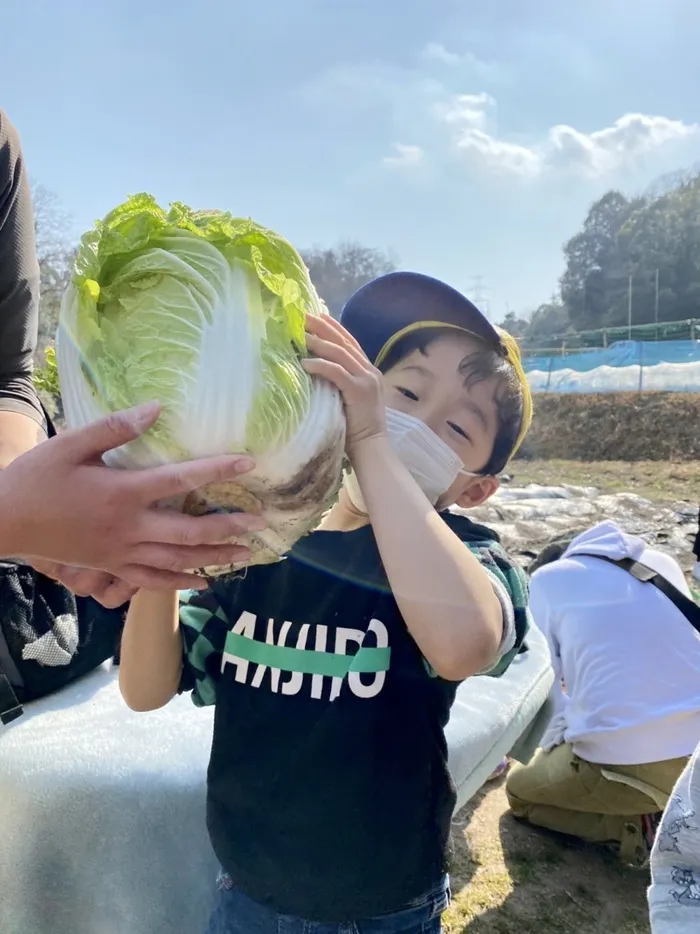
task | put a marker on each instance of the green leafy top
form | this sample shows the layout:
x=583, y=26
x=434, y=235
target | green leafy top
x=147, y=285
x=46, y=377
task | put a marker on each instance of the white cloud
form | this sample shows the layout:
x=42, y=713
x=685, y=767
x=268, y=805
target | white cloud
x=466, y=63
x=607, y=149
x=411, y=102
x=405, y=156
x=467, y=117
x=394, y=95
x=436, y=52
x=465, y=110
x=563, y=147
x=499, y=153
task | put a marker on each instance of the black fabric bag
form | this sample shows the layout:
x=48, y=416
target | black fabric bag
x=48, y=636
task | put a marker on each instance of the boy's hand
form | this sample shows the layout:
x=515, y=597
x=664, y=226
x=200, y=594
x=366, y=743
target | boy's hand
x=340, y=359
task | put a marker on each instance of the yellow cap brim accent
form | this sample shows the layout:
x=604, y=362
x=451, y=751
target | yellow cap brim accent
x=513, y=356
x=510, y=345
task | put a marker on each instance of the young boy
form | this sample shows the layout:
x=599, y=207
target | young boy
x=333, y=672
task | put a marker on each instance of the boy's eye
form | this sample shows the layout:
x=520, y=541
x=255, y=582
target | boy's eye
x=460, y=431
x=407, y=393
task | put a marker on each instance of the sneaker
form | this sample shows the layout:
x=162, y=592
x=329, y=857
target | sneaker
x=500, y=770
x=637, y=840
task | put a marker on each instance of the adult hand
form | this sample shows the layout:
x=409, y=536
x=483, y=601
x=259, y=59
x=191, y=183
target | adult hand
x=59, y=502
x=108, y=590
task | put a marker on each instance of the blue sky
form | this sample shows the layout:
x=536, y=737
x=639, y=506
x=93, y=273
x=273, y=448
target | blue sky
x=467, y=138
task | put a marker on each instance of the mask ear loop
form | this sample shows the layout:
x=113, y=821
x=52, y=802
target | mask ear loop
x=471, y=473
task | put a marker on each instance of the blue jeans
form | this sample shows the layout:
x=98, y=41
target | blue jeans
x=234, y=913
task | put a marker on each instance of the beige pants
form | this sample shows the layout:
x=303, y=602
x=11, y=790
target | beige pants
x=598, y=803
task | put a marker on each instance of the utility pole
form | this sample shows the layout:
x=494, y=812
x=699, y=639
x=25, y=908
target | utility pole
x=629, y=308
x=656, y=299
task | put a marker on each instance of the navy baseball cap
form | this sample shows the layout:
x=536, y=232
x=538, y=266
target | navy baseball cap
x=386, y=309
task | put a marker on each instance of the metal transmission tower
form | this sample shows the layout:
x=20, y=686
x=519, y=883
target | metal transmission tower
x=478, y=294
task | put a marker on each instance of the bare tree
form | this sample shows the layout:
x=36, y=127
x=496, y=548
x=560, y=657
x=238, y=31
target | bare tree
x=56, y=253
x=341, y=270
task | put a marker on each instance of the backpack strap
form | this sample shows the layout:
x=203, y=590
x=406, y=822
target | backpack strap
x=10, y=707
x=50, y=427
x=646, y=575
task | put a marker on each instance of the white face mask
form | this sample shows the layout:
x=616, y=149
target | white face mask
x=432, y=463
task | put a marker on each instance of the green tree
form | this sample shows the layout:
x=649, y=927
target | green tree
x=663, y=243
x=515, y=325
x=597, y=264
x=655, y=240
x=547, y=323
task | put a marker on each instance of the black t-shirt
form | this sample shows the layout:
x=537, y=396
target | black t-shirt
x=329, y=796
x=19, y=281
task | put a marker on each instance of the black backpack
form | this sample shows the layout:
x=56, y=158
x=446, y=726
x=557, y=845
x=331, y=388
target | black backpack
x=48, y=636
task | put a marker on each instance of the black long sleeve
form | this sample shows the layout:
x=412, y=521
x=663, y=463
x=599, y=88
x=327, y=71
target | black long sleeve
x=19, y=280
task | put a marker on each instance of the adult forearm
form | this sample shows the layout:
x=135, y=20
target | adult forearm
x=10, y=520
x=19, y=433
x=151, y=651
x=446, y=598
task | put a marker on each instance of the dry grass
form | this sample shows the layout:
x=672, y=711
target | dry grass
x=624, y=426
x=508, y=878
x=662, y=481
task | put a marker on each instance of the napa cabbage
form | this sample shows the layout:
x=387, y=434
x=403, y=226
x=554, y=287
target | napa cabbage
x=205, y=312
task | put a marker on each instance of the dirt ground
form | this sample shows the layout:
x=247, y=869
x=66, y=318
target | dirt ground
x=507, y=877
x=660, y=481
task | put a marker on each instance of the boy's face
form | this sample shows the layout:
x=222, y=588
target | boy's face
x=430, y=385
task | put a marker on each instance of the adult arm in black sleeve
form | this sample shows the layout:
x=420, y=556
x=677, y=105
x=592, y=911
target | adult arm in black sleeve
x=22, y=422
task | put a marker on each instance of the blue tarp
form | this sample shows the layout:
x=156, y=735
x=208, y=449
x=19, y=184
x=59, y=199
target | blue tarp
x=622, y=353
x=631, y=366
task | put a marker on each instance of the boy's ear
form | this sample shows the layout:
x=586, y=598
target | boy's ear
x=478, y=491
